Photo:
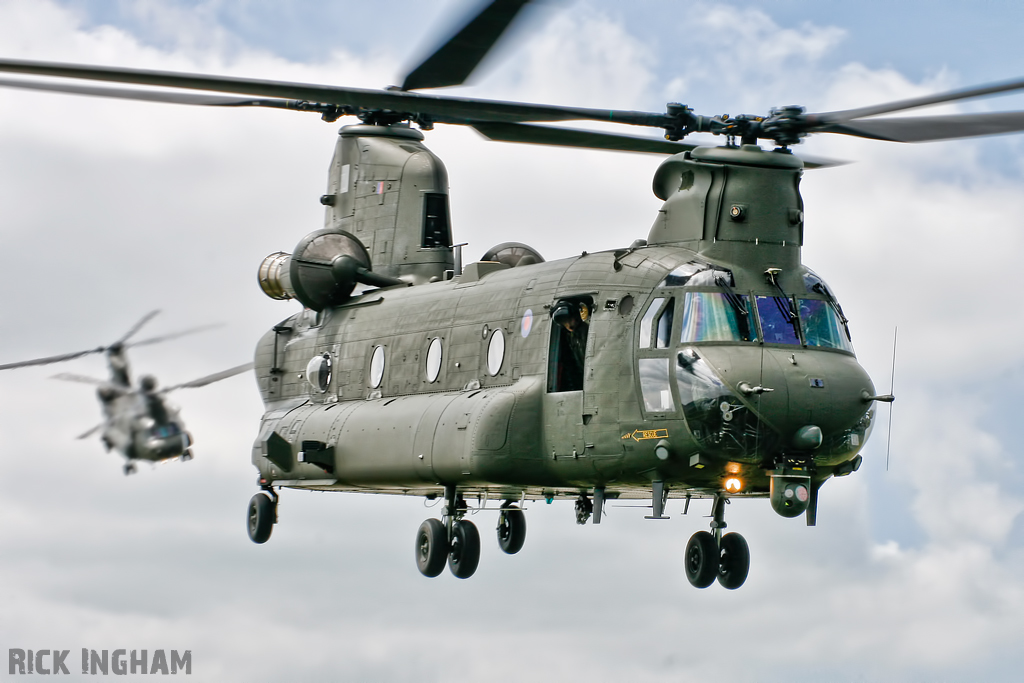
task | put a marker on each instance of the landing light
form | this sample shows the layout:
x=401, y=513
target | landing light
x=733, y=485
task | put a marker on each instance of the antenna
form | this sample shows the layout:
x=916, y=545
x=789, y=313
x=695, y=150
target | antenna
x=892, y=379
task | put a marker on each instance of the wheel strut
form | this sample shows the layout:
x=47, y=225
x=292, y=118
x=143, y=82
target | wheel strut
x=718, y=516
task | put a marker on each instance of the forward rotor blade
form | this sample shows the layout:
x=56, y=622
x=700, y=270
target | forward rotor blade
x=915, y=102
x=458, y=57
x=136, y=327
x=81, y=379
x=51, y=359
x=571, y=137
x=442, y=109
x=929, y=128
x=210, y=379
x=149, y=95
x=87, y=434
x=175, y=335
x=588, y=139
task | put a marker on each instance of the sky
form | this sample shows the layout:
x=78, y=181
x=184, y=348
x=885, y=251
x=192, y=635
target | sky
x=110, y=209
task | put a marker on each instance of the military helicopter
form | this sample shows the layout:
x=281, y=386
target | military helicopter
x=137, y=421
x=705, y=361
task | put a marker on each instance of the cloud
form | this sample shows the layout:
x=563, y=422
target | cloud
x=113, y=209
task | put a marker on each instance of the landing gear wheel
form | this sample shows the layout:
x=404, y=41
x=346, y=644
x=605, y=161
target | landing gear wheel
x=734, y=561
x=261, y=517
x=129, y=469
x=464, y=554
x=701, y=561
x=511, y=529
x=431, y=547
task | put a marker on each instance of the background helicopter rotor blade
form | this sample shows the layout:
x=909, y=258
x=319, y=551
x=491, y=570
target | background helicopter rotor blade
x=210, y=379
x=52, y=359
x=456, y=59
x=929, y=128
x=135, y=328
x=175, y=335
x=90, y=432
x=81, y=379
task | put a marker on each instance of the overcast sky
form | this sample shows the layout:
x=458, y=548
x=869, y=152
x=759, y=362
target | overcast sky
x=110, y=209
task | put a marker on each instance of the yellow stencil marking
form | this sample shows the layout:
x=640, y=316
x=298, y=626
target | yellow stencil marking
x=642, y=434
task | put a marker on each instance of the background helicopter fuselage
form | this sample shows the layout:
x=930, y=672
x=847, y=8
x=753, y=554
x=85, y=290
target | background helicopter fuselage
x=140, y=430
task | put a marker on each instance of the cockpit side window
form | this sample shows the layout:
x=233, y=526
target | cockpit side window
x=647, y=322
x=654, y=385
x=663, y=333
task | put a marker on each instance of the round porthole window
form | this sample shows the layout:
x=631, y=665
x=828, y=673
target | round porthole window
x=495, y=352
x=434, y=359
x=318, y=372
x=376, y=367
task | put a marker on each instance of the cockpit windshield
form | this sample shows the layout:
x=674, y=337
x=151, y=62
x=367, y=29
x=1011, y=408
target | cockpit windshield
x=778, y=323
x=715, y=316
x=822, y=326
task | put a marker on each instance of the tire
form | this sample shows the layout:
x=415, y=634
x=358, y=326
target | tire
x=431, y=547
x=511, y=529
x=464, y=554
x=733, y=562
x=261, y=518
x=701, y=560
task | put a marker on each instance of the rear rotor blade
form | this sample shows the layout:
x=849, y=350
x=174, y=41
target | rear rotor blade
x=458, y=57
x=442, y=109
x=210, y=379
x=51, y=359
x=929, y=128
x=149, y=95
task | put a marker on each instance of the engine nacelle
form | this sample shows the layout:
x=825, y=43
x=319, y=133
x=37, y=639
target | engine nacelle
x=322, y=271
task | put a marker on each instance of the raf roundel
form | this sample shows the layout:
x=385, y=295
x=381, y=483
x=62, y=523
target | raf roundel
x=527, y=323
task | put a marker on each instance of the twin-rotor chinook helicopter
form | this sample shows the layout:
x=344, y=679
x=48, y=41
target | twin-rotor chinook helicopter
x=705, y=361
x=137, y=420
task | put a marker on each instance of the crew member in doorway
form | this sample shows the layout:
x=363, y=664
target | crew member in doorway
x=573, y=321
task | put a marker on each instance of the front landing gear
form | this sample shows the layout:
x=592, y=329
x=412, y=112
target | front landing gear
x=455, y=538
x=710, y=555
x=511, y=528
x=262, y=516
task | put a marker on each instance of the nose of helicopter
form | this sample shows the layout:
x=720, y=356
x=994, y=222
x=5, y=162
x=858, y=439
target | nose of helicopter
x=806, y=395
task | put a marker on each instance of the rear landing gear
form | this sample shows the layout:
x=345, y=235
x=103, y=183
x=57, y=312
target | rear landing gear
x=262, y=516
x=431, y=547
x=129, y=468
x=710, y=555
x=454, y=538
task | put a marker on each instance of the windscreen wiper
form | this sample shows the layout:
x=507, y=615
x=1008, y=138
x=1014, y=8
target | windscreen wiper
x=823, y=290
x=743, y=315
